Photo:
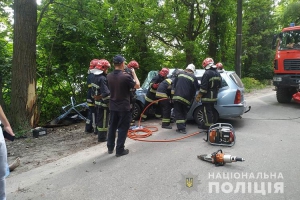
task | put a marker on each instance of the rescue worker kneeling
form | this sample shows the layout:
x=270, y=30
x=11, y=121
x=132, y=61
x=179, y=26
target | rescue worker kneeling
x=150, y=95
x=101, y=97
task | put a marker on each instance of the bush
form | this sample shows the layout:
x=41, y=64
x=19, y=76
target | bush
x=252, y=84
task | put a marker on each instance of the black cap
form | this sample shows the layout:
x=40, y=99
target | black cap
x=118, y=59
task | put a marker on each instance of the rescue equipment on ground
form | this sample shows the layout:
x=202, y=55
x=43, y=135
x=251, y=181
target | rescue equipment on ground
x=219, y=158
x=39, y=131
x=221, y=134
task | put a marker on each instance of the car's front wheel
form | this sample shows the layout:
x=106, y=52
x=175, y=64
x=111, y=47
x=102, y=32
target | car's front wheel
x=137, y=110
x=198, y=115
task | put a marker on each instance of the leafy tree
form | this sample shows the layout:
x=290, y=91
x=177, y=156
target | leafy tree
x=257, y=39
x=5, y=55
x=221, y=34
x=177, y=25
x=291, y=14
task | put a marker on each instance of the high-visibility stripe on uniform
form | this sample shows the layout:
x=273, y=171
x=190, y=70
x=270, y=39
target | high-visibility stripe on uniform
x=181, y=99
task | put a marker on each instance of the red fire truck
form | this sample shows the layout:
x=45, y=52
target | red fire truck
x=286, y=64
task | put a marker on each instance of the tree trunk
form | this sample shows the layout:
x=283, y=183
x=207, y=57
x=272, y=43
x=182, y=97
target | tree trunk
x=24, y=99
x=212, y=43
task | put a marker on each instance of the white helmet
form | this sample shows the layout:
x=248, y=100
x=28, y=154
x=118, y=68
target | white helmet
x=191, y=67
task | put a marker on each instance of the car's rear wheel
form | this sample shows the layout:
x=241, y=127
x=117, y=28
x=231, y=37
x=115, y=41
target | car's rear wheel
x=198, y=115
x=137, y=110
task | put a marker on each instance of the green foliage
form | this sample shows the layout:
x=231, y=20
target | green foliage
x=252, y=84
x=261, y=72
x=257, y=38
x=155, y=33
x=5, y=56
x=290, y=13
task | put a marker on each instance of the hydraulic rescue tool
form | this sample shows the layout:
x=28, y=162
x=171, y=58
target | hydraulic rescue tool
x=219, y=158
x=221, y=134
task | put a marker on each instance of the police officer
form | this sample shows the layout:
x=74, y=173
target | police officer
x=120, y=84
x=150, y=96
x=101, y=96
x=128, y=69
x=185, y=87
x=164, y=92
x=208, y=93
x=91, y=117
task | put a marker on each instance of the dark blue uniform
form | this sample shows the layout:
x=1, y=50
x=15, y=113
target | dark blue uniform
x=101, y=96
x=164, y=91
x=91, y=117
x=150, y=96
x=132, y=95
x=185, y=87
x=210, y=84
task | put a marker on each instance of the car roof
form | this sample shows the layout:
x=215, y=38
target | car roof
x=200, y=72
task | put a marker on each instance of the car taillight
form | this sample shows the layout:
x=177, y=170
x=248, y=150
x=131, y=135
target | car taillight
x=238, y=97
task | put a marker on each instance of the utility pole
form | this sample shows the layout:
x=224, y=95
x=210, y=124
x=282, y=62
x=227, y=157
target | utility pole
x=238, y=52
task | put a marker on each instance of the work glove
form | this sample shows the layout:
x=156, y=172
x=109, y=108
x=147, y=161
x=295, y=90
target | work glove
x=198, y=97
x=155, y=85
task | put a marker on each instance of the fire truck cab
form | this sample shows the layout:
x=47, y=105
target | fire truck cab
x=286, y=63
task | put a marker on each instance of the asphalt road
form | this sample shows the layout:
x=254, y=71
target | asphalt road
x=267, y=137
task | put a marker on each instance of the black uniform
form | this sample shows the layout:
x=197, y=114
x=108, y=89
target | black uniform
x=120, y=84
x=150, y=96
x=132, y=95
x=91, y=117
x=185, y=87
x=209, y=87
x=101, y=96
x=164, y=91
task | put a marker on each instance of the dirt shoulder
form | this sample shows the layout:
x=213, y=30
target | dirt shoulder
x=59, y=142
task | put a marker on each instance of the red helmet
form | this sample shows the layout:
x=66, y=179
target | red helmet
x=164, y=72
x=207, y=61
x=102, y=65
x=219, y=66
x=133, y=64
x=93, y=63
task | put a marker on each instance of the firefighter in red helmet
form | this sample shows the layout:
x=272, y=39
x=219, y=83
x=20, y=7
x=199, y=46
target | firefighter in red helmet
x=208, y=93
x=150, y=96
x=90, y=125
x=101, y=95
x=132, y=65
x=220, y=67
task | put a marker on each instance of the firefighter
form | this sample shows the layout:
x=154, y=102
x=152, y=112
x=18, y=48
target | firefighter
x=185, y=86
x=128, y=69
x=164, y=91
x=208, y=93
x=101, y=95
x=91, y=117
x=220, y=67
x=150, y=96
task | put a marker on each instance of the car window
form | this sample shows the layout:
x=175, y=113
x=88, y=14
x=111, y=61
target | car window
x=237, y=80
x=224, y=83
x=150, y=76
